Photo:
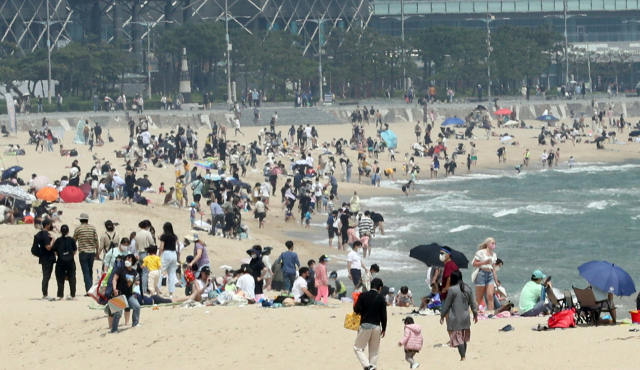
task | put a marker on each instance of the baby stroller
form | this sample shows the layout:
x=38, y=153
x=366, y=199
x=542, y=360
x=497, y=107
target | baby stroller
x=33, y=137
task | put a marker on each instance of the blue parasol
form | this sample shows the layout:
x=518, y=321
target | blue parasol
x=390, y=138
x=547, y=118
x=608, y=277
x=453, y=121
x=10, y=172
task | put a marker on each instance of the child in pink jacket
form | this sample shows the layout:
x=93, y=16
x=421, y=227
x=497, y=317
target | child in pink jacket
x=412, y=341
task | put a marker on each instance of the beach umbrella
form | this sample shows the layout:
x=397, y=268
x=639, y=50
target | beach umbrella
x=47, y=193
x=86, y=188
x=118, y=180
x=14, y=192
x=634, y=133
x=506, y=138
x=453, y=121
x=547, y=118
x=11, y=172
x=205, y=165
x=608, y=277
x=430, y=255
x=144, y=183
x=40, y=182
x=503, y=112
x=481, y=107
x=390, y=138
x=72, y=194
x=276, y=171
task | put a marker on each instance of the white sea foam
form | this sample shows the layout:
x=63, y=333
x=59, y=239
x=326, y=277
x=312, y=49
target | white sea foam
x=380, y=201
x=461, y=228
x=595, y=169
x=548, y=209
x=601, y=204
x=505, y=212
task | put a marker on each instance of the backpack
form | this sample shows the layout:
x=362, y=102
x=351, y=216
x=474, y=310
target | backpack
x=35, y=247
x=112, y=244
x=65, y=250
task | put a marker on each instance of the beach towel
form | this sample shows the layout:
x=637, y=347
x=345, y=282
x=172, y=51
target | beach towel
x=118, y=304
x=79, y=138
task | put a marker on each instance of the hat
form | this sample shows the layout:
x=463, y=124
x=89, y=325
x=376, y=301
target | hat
x=537, y=274
x=192, y=237
x=231, y=280
x=253, y=251
x=333, y=274
x=83, y=216
x=446, y=249
x=219, y=280
x=205, y=269
x=193, y=204
x=392, y=290
x=324, y=257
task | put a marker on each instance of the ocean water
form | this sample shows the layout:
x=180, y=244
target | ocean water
x=552, y=220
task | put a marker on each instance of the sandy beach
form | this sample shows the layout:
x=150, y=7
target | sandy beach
x=68, y=334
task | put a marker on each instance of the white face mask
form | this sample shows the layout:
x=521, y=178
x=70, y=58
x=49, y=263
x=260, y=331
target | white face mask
x=443, y=257
x=254, y=256
x=127, y=264
x=123, y=248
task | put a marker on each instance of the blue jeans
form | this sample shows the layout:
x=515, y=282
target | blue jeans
x=169, y=266
x=539, y=308
x=145, y=271
x=86, y=264
x=288, y=280
x=484, y=278
x=134, y=305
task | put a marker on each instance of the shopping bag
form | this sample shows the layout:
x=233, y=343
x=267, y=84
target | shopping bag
x=352, y=321
x=118, y=304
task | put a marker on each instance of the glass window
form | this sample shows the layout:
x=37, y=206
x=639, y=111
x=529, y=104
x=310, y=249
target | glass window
x=559, y=6
x=466, y=7
x=380, y=8
x=548, y=6
x=495, y=6
x=395, y=8
x=609, y=5
x=573, y=5
x=621, y=4
x=522, y=6
x=438, y=8
x=585, y=5
x=508, y=6
x=453, y=7
x=424, y=8
x=535, y=6
x=480, y=6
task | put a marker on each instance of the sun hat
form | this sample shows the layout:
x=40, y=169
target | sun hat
x=83, y=216
x=392, y=290
x=192, y=237
x=193, y=204
x=324, y=257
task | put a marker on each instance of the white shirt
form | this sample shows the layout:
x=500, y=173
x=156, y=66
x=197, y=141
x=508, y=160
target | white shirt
x=298, y=285
x=355, y=259
x=310, y=161
x=146, y=138
x=307, y=131
x=207, y=289
x=246, y=284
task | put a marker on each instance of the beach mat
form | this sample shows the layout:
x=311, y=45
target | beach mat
x=95, y=306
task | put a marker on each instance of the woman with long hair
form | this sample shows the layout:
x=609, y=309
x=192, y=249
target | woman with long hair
x=456, y=308
x=65, y=248
x=170, y=256
x=486, y=276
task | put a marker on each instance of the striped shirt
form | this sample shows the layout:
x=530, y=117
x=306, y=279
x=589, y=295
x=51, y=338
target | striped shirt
x=87, y=238
x=365, y=226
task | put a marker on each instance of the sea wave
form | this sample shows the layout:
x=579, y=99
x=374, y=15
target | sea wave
x=595, y=169
x=601, y=204
x=461, y=228
x=505, y=212
x=548, y=209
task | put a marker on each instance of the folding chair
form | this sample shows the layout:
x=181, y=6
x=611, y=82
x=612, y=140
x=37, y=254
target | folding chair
x=589, y=307
x=556, y=306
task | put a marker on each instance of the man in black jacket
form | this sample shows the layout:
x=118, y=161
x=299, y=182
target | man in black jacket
x=47, y=256
x=372, y=308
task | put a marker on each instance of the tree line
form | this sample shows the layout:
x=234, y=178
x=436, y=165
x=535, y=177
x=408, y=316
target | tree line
x=358, y=63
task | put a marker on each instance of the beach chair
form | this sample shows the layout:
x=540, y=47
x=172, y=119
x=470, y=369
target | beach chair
x=556, y=305
x=589, y=308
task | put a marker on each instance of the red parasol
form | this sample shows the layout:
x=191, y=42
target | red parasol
x=72, y=194
x=503, y=112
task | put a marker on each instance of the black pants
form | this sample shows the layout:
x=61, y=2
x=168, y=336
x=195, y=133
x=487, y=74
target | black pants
x=47, y=269
x=66, y=270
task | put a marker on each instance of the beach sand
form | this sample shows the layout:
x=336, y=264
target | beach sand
x=39, y=334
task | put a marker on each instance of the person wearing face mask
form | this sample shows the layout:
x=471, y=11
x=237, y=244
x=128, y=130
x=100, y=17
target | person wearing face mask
x=449, y=267
x=112, y=255
x=258, y=271
x=485, y=275
x=123, y=281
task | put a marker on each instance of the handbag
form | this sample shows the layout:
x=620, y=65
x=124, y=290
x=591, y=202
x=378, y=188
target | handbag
x=352, y=321
x=563, y=319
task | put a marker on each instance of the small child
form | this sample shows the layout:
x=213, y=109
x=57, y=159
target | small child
x=330, y=204
x=162, y=190
x=392, y=153
x=231, y=285
x=404, y=298
x=390, y=297
x=288, y=216
x=153, y=263
x=341, y=289
x=412, y=341
x=192, y=214
x=572, y=162
x=307, y=219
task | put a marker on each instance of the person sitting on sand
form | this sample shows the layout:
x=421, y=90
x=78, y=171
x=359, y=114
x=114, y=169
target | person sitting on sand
x=532, y=295
x=65, y=152
x=404, y=298
x=300, y=292
x=203, y=286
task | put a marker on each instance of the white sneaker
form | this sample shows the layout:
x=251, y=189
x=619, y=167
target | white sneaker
x=170, y=296
x=415, y=365
x=135, y=326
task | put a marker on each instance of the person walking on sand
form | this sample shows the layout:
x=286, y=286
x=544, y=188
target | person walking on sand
x=456, y=308
x=86, y=238
x=372, y=309
x=65, y=249
x=46, y=256
x=412, y=341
